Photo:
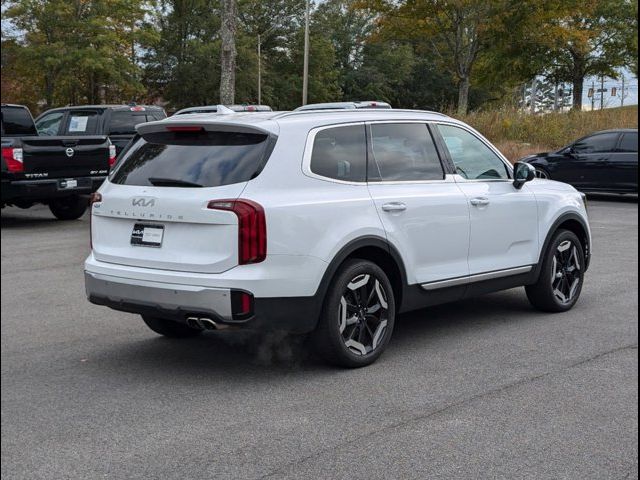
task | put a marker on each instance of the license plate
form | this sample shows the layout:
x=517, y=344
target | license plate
x=69, y=183
x=144, y=235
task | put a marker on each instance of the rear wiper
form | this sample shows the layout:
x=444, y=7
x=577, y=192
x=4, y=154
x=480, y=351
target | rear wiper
x=172, y=182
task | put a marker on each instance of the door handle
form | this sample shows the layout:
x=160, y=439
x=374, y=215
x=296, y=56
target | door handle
x=394, y=207
x=480, y=202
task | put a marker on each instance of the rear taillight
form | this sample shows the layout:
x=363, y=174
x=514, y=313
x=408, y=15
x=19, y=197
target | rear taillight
x=112, y=155
x=94, y=198
x=252, y=228
x=13, y=159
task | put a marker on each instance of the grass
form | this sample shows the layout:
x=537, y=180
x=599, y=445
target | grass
x=517, y=134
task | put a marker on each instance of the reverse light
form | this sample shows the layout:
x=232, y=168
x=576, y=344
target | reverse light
x=112, y=155
x=252, y=228
x=13, y=159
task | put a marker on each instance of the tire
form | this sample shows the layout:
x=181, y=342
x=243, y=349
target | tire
x=542, y=173
x=68, y=208
x=353, y=331
x=169, y=328
x=562, y=275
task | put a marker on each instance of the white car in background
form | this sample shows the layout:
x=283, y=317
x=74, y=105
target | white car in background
x=325, y=222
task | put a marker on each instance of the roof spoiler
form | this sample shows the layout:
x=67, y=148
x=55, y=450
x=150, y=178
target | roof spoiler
x=186, y=126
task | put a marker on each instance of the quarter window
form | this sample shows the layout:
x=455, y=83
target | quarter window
x=340, y=153
x=629, y=142
x=605, y=142
x=473, y=159
x=404, y=152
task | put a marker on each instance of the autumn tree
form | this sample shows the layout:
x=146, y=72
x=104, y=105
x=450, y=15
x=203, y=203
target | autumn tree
x=78, y=51
x=456, y=31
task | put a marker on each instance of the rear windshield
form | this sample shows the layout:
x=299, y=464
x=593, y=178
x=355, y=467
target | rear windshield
x=124, y=123
x=188, y=159
x=17, y=122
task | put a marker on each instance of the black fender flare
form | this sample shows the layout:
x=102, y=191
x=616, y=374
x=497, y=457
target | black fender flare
x=554, y=228
x=346, y=251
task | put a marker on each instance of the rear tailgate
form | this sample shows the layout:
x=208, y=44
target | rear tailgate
x=188, y=236
x=63, y=157
x=167, y=204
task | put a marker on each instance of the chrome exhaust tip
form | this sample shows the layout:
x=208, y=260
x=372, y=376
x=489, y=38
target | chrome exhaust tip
x=193, y=322
x=208, y=324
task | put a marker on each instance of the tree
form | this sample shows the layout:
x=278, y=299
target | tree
x=78, y=51
x=456, y=30
x=589, y=40
x=228, y=52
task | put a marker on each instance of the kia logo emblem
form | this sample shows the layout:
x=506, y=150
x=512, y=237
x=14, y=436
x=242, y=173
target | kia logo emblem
x=69, y=152
x=143, y=202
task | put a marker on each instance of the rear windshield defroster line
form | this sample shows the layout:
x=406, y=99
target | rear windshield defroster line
x=200, y=158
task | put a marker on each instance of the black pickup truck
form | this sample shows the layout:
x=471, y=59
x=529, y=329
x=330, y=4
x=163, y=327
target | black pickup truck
x=118, y=122
x=54, y=170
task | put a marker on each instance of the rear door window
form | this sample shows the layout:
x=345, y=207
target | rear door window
x=404, y=152
x=82, y=122
x=17, y=122
x=629, y=142
x=340, y=153
x=194, y=159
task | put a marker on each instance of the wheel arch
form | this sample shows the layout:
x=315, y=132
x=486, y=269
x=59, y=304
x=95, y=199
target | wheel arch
x=574, y=223
x=375, y=249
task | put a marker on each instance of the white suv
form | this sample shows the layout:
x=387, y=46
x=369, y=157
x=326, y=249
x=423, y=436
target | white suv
x=328, y=223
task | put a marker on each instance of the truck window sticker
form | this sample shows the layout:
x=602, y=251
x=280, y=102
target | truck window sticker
x=78, y=124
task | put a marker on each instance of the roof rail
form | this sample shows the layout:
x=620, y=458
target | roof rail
x=345, y=111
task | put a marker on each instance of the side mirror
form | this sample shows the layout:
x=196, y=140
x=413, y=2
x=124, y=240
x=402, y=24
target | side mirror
x=523, y=173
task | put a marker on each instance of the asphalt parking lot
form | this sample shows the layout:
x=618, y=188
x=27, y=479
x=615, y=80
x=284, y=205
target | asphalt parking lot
x=486, y=388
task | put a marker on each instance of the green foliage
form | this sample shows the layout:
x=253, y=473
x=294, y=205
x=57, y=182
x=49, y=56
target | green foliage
x=429, y=54
x=79, y=51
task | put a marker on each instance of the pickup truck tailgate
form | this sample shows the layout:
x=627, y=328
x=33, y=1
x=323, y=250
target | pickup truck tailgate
x=60, y=157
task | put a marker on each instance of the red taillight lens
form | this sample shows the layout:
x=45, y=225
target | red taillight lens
x=94, y=198
x=241, y=304
x=185, y=128
x=252, y=228
x=13, y=159
x=112, y=155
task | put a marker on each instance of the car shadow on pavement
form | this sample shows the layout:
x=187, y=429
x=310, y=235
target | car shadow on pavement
x=261, y=357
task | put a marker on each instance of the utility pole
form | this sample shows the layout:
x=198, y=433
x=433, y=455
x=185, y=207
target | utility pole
x=524, y=97
x=622, y=93
x=305, y=73
x=593, y=95
x=534, y=92
x=555, y=98
x=601, y=92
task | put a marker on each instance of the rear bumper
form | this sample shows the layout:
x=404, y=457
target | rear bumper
x=180, y=302
x=43, y=190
